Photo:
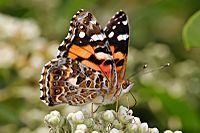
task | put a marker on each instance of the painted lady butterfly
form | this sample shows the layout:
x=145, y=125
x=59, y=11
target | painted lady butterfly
x=90, y=64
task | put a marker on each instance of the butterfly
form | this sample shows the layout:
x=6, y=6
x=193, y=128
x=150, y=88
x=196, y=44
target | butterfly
x=90, y=63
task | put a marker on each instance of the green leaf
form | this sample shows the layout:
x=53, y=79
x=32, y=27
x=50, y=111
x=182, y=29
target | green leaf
x=191, y=31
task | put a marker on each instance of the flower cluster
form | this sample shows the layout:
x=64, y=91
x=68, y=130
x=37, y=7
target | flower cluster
x=107, y=121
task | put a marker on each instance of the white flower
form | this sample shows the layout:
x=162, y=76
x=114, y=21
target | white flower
x=123, y=110
x=114, y=130
x=95, y=132
x=79, y=131
x=108, y=116
x=78, y=117
x=125, y=115
x=105, y=121
x=117, y=124
x=136, y=120
x=177, y=131
x=154, y=130
x=143, y=128
x=82, y=127
x=53, y=119
x=69, y=116
x=132, y=128
x=168, y=131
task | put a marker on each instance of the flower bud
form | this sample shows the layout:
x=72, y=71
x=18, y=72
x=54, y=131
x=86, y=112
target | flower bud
x=82, y=127
x=78, y=117
x=53, y=119
x=143, y=128
x=108, y=116
x=114, y=130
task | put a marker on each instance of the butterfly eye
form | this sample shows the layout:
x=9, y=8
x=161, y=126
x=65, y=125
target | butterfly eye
x=124, y=85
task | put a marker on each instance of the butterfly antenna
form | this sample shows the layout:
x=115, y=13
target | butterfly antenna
x=149, y=71
x=138, y=72
x=158, y=68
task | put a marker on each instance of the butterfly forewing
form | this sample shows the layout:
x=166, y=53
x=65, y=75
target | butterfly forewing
x=88, y=45
x=117, y=33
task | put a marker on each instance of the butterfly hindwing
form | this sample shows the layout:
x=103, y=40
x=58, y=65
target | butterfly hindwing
x=65, y=80
x=117, y=33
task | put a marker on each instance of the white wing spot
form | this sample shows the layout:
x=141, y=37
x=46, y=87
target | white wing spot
x=93, y=21
x=114, y=27
x=41, y=77
x=82, y=34
x=125, y=22
x=43, y=69
x=111, y=34
x=96, y=37
x=122, y=37
x=118, y=22
x=68, y=35
x=72, y=81
x=70, y=28
x=41, y=93
x=81, y=26
x=101, y=55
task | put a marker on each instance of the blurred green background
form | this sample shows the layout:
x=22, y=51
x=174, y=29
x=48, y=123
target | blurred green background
x=31, y=31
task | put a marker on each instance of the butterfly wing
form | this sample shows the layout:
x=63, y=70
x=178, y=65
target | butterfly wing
x=117, y=33
x=87, y=43
x=64, y=80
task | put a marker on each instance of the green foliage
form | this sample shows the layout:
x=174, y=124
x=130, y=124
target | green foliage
x=10, y=109
x=173, y=107
x=191, y=31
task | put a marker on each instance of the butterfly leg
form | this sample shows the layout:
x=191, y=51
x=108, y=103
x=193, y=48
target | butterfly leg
x=127, y=99
x=117, y=104
x=94, y=110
